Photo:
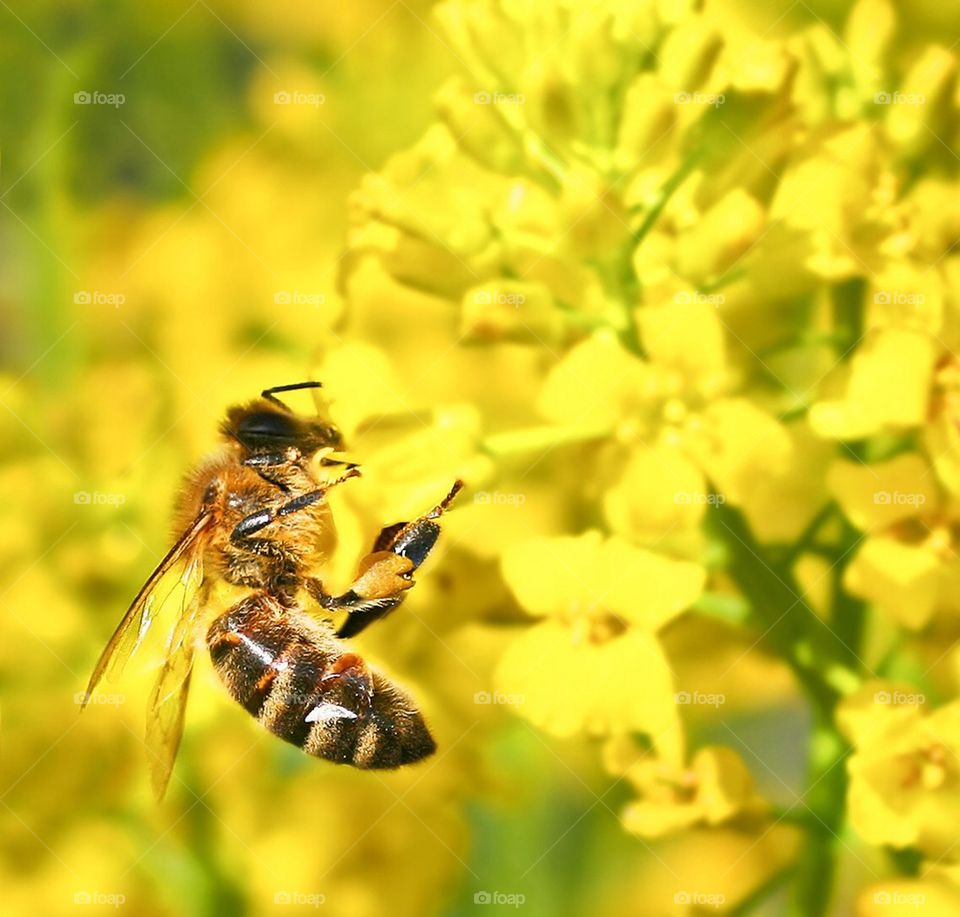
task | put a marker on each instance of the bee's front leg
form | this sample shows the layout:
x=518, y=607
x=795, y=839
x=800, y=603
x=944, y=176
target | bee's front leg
x=387, y=571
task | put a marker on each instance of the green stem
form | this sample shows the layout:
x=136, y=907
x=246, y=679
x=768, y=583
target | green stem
x=803, y=543
x=826, y=667
x=731, y=609
x=666, y=192
x=759, y=894
x=789, y=626
x=827, y=790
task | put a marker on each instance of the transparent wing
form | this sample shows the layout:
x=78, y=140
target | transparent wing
x=184, y=556
x=168, y=700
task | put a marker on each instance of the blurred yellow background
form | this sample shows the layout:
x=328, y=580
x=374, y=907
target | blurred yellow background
x=603, y=261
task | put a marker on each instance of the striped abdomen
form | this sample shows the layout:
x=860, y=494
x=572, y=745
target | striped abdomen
x=304, y=686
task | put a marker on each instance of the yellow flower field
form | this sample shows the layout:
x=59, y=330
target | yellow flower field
x=672, y=286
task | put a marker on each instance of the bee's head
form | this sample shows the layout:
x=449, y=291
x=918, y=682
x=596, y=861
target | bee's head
x=267, y=425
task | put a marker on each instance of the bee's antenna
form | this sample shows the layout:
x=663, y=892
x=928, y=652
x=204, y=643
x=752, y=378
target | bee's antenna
x=269, y=393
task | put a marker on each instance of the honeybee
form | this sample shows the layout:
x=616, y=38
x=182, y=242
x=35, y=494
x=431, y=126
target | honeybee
x=254, y=515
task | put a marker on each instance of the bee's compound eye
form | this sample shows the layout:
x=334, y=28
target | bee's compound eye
x=266, y=427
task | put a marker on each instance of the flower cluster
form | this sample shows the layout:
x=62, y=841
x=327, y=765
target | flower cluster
x=719, y=267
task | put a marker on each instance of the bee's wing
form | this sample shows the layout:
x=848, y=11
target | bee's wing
x=168, y=701
x=136, y=622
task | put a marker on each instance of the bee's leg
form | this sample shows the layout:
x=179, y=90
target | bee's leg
x=387, y=571
x=262, y=462
x=250, y=525
x=361, y=601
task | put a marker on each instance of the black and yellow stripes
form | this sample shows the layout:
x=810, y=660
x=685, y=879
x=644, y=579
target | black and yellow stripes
x=304, y=686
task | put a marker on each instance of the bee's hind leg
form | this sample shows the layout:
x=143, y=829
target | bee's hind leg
x=387, y=571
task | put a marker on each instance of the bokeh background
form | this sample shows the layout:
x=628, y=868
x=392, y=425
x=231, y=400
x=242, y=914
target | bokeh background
x=674, y=289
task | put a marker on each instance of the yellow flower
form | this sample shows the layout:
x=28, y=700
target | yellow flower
x=933, y=895
x=675, y=422
x=907, y=563
x=594, y=663
x=904, y=772
x=887, y=389
x=715, y=788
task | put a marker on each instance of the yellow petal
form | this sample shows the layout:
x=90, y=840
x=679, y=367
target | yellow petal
x=597, y=381
x=643, y=587
x=566, y=687
x=658, y=491
x=686, y=337
x=878, y=495
x=550, y=575
x=721, y=236
x=889, y=386
x=902, y=579
x=739, y=440
x=725, y=784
